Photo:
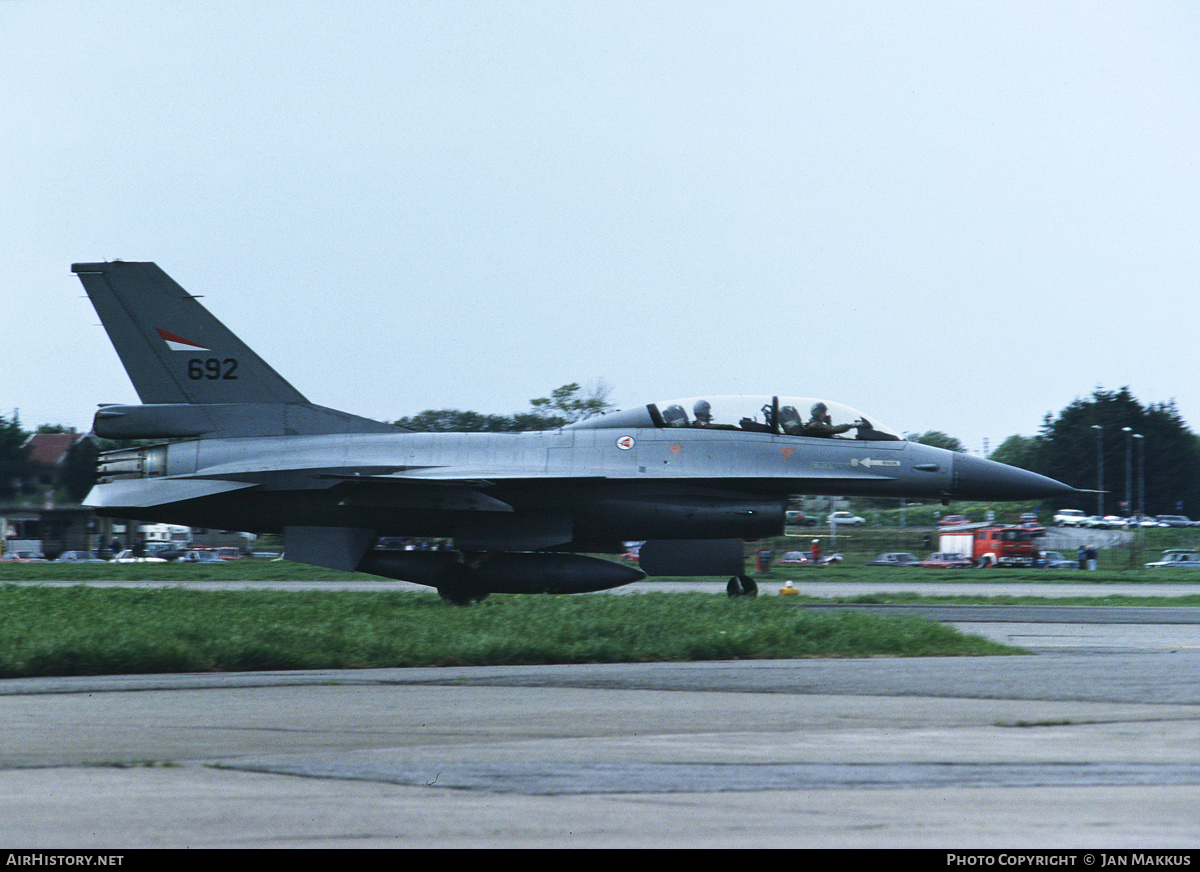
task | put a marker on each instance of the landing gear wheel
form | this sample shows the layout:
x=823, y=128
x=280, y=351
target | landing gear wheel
x=459, y=597
x=741, y=585
x=457, y=586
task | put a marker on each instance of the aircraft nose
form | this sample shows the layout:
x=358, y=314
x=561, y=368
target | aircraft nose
x=979, y=479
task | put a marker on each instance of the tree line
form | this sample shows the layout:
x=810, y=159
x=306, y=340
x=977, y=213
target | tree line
x=565, y=405
x=1112, y=438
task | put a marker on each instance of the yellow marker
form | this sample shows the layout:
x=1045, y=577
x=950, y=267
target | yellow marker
x=788, y=590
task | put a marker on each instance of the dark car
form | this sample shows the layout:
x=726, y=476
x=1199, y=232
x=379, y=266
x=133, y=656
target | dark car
x=165, y=550
x=1054, y=560
x=794, y=518
x=795, y=558
x=1176, y=521
x=201, y=556
x=896, y=558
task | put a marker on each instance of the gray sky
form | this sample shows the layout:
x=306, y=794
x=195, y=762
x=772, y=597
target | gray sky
x=952, y=216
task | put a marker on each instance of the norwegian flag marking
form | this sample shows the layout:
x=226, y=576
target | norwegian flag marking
x=178, y=343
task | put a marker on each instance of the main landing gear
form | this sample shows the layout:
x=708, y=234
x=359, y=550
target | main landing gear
x=457, y=586
x=741, y=585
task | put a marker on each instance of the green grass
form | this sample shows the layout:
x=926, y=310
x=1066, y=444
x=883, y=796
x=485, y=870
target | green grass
x=82, y=630
x=240, y=570
x=906, y=598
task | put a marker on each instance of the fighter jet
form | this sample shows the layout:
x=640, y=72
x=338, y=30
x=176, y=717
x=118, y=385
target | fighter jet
x=694, y=479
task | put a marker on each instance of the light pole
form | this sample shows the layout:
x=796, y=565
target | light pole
x=1141, y=473
x=1099, y=469
x=1128, y=431
x=1141, y=537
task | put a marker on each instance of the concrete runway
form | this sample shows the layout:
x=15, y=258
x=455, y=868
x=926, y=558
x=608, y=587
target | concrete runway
x=1089, y=743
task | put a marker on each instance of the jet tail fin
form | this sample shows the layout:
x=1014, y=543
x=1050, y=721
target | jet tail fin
x=173, y=349
x=193, y=375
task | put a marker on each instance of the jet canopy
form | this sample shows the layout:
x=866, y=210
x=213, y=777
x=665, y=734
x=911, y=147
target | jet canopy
x=781, y=416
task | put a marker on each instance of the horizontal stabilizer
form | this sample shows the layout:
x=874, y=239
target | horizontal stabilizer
x=141, y=492
x=228, y=420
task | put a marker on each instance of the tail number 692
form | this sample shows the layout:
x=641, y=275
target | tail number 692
x=212, y=368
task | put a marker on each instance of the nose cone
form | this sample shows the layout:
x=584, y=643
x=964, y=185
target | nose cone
x=979, y=479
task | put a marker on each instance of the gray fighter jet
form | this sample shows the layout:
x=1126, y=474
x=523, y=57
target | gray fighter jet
x=695, y=479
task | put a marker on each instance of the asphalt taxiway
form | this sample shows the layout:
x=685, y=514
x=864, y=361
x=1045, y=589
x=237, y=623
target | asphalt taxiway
x=1084, y=743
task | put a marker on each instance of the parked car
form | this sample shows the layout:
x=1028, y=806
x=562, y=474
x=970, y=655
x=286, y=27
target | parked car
x=954, y=521
x=23, y=557
x=1176, y=521
x=1070, y=517
x=795, y=518
x=202, y=556
x=165, y=550
x=947, y=560
x=896, y=558
x=845, y=519
x=1028, y=519
x=77, y=557
x=794, y=558
x=1054, y=560
x=1177, y=558
x=804, y=558
x=126, y=556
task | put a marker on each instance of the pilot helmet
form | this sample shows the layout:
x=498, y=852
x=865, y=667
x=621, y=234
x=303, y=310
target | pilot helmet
x=702, y=411
x=819, y=410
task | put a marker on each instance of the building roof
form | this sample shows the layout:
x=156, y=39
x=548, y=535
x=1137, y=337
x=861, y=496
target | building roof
x=50, y=449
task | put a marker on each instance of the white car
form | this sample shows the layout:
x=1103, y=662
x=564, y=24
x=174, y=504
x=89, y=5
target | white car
x=126, y=556
x=1177, y=558
x=845, y=519
x=1070, y=517
x=77, y=557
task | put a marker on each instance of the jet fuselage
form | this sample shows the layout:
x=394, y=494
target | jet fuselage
x=695, y=479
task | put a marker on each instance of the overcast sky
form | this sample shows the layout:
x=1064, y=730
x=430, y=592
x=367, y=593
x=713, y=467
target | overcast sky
x=952, y=216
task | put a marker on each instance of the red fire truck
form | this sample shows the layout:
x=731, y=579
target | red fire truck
x=999, y=545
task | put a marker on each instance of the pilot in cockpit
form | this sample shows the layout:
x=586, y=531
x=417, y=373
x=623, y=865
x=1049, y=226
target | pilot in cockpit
x=821, y=424
x=702, y=412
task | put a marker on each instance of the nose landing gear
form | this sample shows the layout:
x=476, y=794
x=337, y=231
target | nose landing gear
x=741, y=585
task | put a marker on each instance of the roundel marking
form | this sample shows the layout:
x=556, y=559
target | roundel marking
x=625, y=443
